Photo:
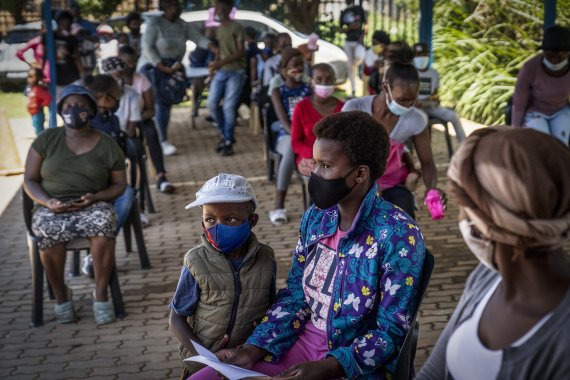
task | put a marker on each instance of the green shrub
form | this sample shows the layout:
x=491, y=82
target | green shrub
x=479, y=47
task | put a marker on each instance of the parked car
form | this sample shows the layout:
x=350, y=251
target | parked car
x=327, y=52
x=13, y=71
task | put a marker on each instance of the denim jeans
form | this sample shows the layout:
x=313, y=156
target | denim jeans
x=162, y=118
x=122, y=206
x=38, y=121
x=227, y=85
x=557, y=125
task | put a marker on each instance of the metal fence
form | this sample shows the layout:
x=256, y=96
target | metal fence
x=399, y=18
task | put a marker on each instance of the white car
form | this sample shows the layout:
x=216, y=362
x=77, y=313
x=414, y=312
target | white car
x=12, y=70
x=327, y=53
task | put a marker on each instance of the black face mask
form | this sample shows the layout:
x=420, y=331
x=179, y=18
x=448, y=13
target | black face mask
x=76, y=117
x=326, y=193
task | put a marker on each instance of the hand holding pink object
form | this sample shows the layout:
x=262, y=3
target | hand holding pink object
x=435, y=204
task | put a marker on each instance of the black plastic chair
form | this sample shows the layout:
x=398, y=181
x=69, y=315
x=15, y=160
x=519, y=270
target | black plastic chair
x=272, y=158
x=76, y=247
x=139, y=165
x=134, y=222
x=405, y=364
x=434, y=121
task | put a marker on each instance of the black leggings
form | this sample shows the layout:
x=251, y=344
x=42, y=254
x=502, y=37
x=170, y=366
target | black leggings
x=151, y=135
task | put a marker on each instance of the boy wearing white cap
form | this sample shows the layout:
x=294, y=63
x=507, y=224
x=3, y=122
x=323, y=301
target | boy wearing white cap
x=227, y=282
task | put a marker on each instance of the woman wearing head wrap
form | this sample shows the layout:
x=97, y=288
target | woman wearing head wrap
x=512, y=319
x=541, y=95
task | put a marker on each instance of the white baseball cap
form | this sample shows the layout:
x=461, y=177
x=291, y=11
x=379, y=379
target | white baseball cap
x=224, y=188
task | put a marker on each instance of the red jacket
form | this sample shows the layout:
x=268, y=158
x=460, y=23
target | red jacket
x=305, y=116
x=38, y=98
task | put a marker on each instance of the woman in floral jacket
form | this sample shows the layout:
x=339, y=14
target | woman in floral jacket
x=353, y=287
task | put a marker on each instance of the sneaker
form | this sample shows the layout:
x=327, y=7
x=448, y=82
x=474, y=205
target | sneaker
x=167, y=148
x=220, y=145
x=164, y=186
x=65, y=312
x=145, y=222
x=87, y=267
x=278, y=217
x=228, y=149
x=209, y=119
x=103, y=312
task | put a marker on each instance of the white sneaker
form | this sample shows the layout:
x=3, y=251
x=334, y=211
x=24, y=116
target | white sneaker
x=278, y=217
x=145, y=222
x=167, y=148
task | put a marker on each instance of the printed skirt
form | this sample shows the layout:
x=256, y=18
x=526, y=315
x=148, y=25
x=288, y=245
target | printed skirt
x=98, y=219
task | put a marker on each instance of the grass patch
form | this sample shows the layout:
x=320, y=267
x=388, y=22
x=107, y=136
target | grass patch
x=14, y=103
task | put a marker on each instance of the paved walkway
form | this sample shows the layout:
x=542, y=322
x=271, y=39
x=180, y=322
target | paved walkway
x=141, y=346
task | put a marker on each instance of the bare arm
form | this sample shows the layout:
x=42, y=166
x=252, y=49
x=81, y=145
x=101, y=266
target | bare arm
x=183, y=332
x=32, y=179
x=423, y=148
x=279, y=111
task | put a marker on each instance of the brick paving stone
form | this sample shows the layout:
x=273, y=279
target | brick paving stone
x=141, y=345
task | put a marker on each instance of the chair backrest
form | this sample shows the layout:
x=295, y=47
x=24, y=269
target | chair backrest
x=27, y=207
x=405, y=362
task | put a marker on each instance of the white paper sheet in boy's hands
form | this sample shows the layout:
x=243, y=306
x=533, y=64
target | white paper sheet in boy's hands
x=230, y=371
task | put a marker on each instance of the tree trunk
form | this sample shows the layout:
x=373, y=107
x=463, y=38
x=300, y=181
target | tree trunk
x=302, y=14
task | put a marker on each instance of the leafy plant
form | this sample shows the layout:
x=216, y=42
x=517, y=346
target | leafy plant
x=479, y=47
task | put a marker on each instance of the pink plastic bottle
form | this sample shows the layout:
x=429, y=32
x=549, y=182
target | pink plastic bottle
x=434, y=204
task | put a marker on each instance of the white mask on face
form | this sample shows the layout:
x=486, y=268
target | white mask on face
x=483, y=249
x=395, y=107
x=555, y=66
x=421, y=63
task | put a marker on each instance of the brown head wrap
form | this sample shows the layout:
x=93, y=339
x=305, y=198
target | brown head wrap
x=514, y=184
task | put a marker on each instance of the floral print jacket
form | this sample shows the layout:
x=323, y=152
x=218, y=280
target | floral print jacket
x=375, y=291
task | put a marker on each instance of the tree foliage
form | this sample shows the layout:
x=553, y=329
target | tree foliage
x=479, y=47
x=99, y=10
x=302, y=14
x=16, y=9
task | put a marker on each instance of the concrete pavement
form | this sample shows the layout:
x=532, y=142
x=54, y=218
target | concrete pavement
x=141, y=346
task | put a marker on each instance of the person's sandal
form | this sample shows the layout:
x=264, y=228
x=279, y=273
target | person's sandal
x=103, y=312
x=65, y=312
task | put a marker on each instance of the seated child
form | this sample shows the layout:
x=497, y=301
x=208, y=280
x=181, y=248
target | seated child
x=38, y=98
x=284, y=98
x=227, y=283
x=428, y=100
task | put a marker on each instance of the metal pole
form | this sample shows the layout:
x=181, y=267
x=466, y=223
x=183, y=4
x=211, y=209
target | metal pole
x=426, y=24
x=549, y=13
x=50, y=50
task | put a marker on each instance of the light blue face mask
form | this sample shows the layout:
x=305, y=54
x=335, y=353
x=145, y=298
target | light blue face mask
x=228, y=238
x=395, y=107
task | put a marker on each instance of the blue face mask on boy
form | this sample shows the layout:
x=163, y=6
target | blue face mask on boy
x=227, y=238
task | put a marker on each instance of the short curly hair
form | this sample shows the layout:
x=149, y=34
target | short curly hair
x=361, y=138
